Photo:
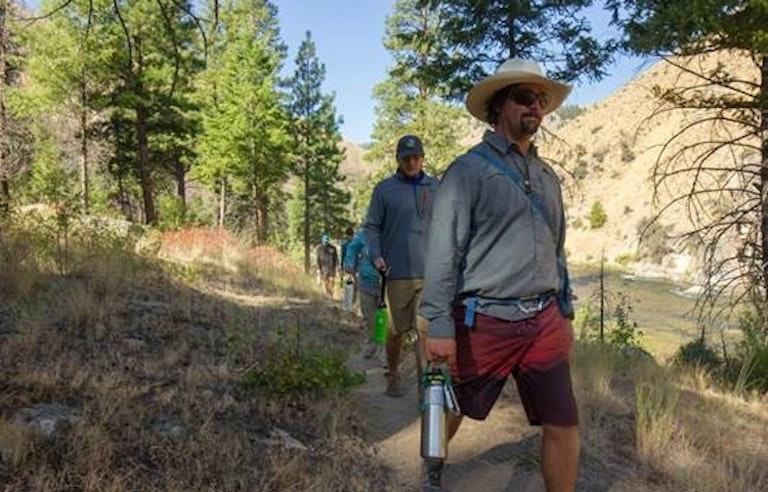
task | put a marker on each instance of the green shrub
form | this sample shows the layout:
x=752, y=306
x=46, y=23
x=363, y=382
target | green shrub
x=624, y=333
x=174, y=214
x=569, y=111
x=625, y=258
x=698, y=354
x=597, y=216
x=620, y=331
x=626, y=153
x=285, y=371
x=581, y=170
x=752, y=352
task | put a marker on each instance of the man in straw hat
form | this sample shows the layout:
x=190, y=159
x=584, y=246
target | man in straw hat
x=496, y=291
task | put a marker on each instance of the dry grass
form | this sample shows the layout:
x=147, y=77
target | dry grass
x=147, y=364
x=667, y=426
x=146, y=359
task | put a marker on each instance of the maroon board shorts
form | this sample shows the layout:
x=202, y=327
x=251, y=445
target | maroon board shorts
x=536, y=351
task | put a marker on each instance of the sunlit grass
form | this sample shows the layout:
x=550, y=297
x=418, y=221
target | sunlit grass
x=685, y=428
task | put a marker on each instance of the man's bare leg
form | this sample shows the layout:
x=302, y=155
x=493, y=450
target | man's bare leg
x=560, y=457
x=452, y=423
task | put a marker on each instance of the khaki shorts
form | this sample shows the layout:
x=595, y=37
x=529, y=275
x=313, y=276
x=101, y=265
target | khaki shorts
x=403, y=297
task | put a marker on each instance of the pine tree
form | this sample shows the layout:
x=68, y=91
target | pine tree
x=407, y=103
x=15, y=136
x=63, y=72
x=245, y=142
x=317, y=154
x=481, y=34
x=153, y=60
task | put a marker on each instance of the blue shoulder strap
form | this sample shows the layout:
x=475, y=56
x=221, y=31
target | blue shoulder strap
x=513, y=175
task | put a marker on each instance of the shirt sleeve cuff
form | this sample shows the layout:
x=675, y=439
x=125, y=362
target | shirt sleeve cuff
x=441, y=327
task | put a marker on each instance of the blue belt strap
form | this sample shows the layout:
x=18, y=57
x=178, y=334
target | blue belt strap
x=471, y=305
x=469, y=315
x=563, y=298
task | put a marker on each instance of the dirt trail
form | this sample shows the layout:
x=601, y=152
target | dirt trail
x=499, y=454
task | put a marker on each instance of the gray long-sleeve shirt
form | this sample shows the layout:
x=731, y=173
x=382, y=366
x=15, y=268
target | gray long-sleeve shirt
x=397, y=223
x=487, y=238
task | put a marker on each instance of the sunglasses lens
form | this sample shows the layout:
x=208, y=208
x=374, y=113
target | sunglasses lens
x=528, y=98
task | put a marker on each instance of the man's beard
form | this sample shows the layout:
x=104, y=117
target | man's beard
x=529, y=125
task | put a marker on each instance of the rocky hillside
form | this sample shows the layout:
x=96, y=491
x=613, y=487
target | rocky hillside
x=610, y=151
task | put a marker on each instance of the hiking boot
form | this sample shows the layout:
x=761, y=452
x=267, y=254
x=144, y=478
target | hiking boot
x=394, y=386
x=433, y=474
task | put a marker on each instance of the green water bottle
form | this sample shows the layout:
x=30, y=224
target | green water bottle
x=380, y=325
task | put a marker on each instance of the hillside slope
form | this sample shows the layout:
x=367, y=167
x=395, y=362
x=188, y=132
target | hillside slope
x=609, y=152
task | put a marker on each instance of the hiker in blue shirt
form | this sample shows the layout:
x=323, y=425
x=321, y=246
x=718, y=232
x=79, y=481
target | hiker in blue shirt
x=357, y=262
x=396, y=234
x=350, y=287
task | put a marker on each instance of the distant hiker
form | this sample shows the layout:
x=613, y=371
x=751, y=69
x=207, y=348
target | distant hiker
x=496, y=290
x=350, y=284
x=396, y=234
x=357, y=262
x=327, y=264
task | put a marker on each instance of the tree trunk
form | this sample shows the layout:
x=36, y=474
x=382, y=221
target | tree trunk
x=307, y=236
x=764, y=184
x=4, y=169
x=84, y=182
x=260, y=213
x=145, y=176
x=222, y=202
x=180, y=173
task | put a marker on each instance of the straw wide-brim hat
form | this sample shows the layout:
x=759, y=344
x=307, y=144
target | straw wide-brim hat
x=514, y=71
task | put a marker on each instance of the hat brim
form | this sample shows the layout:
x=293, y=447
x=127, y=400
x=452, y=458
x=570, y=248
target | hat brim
x=409, y=153
x=478, y=96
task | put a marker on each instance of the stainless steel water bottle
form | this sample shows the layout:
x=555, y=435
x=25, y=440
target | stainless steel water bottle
x=434, y=441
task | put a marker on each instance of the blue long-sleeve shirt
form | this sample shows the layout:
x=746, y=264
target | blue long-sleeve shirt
x=397, y=223
x=357, y=258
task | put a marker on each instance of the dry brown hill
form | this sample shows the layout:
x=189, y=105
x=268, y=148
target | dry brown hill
x=610, y=150
x=353, y=166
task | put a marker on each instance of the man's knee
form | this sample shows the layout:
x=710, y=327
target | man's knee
x=560, y=434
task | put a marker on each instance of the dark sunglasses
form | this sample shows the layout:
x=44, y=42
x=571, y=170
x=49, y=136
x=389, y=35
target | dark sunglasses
x=526, y=97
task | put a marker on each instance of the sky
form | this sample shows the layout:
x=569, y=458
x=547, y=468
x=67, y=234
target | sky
x=348, y=36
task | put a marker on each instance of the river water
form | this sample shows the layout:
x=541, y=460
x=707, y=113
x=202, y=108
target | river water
x=665, y=316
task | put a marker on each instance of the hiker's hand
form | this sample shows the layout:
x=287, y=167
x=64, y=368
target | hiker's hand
x=441, y=349
x=380, y=264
